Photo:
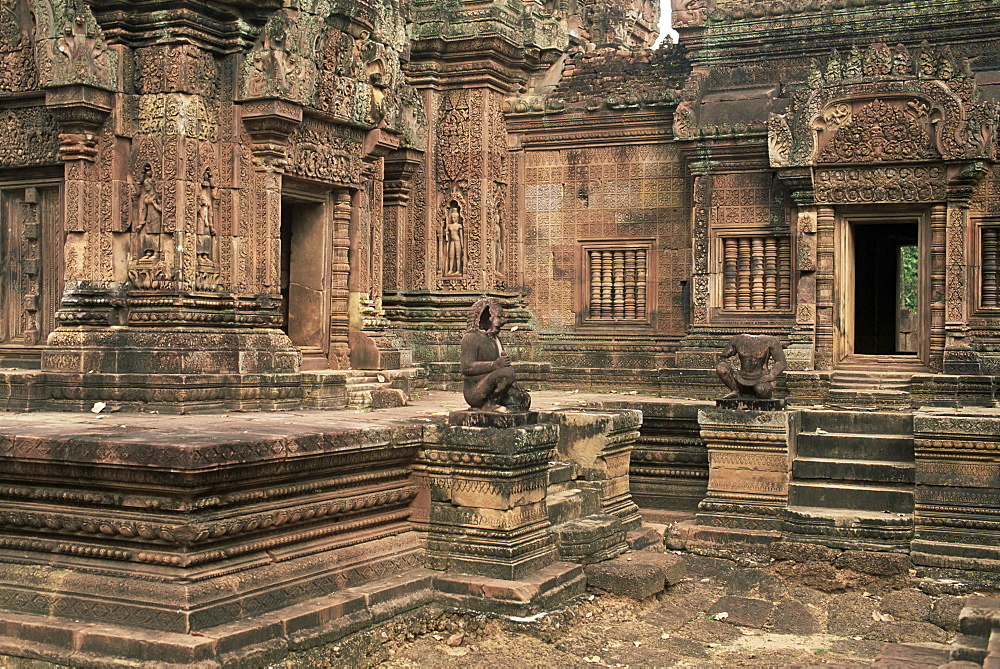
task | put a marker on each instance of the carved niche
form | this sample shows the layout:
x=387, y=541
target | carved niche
x=874, y=122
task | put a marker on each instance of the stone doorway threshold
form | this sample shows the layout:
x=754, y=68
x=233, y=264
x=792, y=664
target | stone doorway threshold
x=884, y=363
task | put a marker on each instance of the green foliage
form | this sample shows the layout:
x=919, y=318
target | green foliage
x=908, y=277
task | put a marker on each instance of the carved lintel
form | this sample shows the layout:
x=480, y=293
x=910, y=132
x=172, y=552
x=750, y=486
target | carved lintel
x=80, y=111
x=270, y=122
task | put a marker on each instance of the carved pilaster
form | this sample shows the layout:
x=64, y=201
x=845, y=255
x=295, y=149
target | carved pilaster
x=825, y=306
x=400, y=167
x=340, y=274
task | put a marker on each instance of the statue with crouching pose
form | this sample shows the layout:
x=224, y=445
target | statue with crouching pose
x=754, y=377
x=488, y=377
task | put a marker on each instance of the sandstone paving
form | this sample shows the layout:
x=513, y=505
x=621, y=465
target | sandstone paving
x=720, y=615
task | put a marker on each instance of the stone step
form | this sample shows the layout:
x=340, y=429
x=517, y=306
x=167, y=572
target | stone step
x=875, y=471
x=636, y=574
x=590, y=539
x=850, y=446
x=980, y=615
x=567, y=505
x=864, y=393
x=871, y=382
x=850, y=517
x=857, y=422
x=562, y=473
x=992, y=659
x=911, y=656
x=968, y=648
x=854, y=497
x=897, y=363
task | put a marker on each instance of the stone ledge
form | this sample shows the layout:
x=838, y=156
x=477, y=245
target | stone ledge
x=264, y=638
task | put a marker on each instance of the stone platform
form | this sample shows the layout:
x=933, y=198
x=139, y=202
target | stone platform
x=218, y=539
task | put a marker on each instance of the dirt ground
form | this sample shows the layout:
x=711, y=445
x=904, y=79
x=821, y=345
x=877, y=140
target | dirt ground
x=721, y=615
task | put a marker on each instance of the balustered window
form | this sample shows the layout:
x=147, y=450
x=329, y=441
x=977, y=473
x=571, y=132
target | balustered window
x=756, y=273
x=990, y=293
x=617, y=288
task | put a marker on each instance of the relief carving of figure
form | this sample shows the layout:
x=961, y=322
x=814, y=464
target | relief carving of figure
x=206, y=219
x=761, y=361
x=453, y=234
x=148, y=225
x=488, y=377
x=498, y=240
x=82, y=49
x=274, y=66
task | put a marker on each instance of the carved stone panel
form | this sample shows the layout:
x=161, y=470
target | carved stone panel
x=604, y=199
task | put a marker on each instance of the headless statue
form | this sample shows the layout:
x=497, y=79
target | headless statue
x=754, y=378
x=488, y=377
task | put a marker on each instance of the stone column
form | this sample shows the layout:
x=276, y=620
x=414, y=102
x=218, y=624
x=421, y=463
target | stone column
x=750, y=457
x=939, y=220
x=825, y=305
x=340, y=350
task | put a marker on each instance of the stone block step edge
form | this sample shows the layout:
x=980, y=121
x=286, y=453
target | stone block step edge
x=263, y=639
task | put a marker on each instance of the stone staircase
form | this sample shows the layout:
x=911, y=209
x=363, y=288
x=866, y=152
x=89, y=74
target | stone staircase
x=371, y=390
x=978, y=645
x=874, y=382
x=583, y=532
x=852, y=480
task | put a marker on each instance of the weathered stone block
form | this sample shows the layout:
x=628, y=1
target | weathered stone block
x=637, y=581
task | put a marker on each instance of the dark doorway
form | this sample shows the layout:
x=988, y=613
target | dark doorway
x=885, y=289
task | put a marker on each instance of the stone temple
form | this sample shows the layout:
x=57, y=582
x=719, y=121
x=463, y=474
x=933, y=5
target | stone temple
x=220, y=206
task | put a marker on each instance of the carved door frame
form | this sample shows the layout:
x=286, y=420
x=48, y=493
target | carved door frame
x=844, y=273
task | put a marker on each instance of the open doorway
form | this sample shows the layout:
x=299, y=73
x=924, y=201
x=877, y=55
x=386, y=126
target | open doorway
x=886, y=293
x=305, y=280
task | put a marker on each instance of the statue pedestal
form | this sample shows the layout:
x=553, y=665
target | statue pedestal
x=489, y=525
x=749, y=470
x=956, y=534
x=749, y=404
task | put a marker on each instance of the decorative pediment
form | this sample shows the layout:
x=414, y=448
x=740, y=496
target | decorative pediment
x=874, y=132
x=884, y=105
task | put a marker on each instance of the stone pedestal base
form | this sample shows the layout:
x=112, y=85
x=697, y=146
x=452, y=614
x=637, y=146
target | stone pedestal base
x=378, y=351
x=174, y=525
x=600, y=444
x=749, y=404
x=956, y=504
x=749, y=470
x=172, y=370
x=543, y=589
x=487, y=487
